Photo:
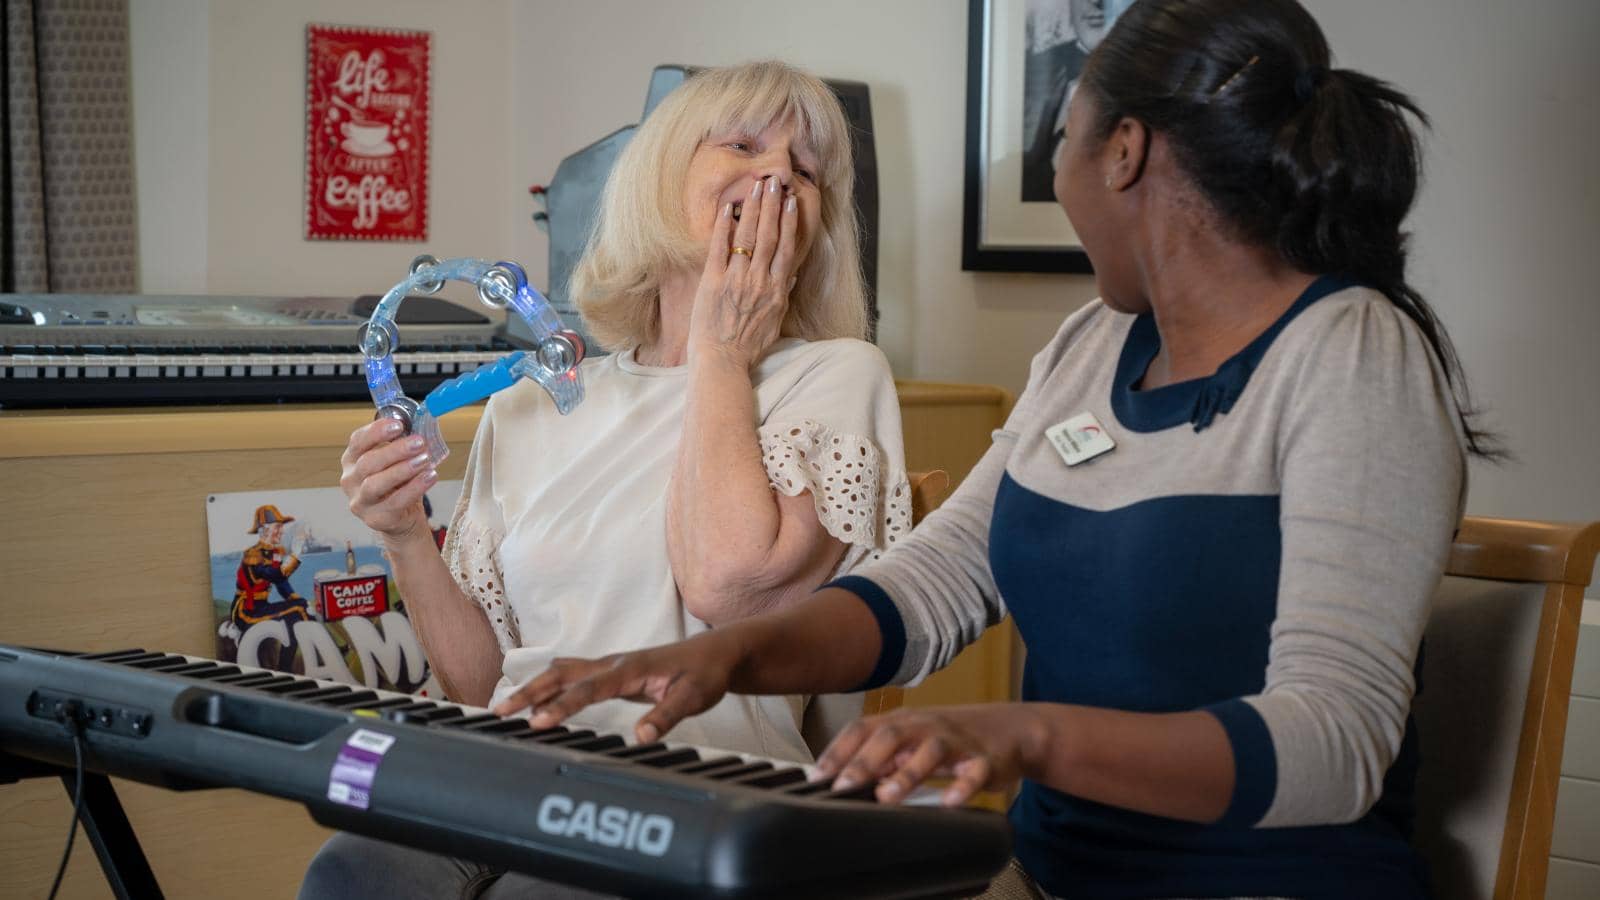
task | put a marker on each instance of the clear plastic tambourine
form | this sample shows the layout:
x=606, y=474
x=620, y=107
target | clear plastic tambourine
x=552, y=362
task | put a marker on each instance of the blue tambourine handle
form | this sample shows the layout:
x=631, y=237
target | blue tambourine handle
x=479, y=384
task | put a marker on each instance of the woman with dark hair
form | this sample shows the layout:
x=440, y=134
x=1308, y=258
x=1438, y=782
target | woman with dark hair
x=1217, y=513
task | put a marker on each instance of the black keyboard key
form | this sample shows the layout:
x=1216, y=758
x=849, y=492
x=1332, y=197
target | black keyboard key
x=301, y=691
x=711, y=765
x=598, y=744
x=292, y=686
x=809, y=788
x=543, y=735
x=561, y=740
x=218, y=672
x=159, y=659
x=666, y=759
x=442, y=714
x=469, y=721
x=192, y=669
x=116, y=655
x=637, y=750
x=251, y=679
x=502, y=727
x=739, y=771
x=351, y=700
x=327, y=693
x=390, y=703
x=432, y=716
x=399, y=712
x=774, y=779
x=167, y=665
x=275, y=683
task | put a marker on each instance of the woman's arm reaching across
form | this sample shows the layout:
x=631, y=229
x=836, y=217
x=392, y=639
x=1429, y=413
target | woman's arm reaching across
x=1175, y=764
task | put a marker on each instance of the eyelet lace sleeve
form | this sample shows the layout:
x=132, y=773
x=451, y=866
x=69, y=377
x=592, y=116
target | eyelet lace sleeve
x=473, y=555
x=858, y=500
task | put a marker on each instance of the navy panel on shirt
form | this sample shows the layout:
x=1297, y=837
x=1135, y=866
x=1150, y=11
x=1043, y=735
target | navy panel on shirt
x=1165, y=605
x=1187, y=585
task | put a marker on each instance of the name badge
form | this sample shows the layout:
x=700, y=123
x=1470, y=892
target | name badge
x=1079, y=439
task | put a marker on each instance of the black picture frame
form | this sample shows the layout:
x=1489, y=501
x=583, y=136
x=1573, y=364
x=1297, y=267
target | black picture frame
x=977, y=255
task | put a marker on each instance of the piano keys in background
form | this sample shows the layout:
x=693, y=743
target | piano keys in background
x=116, y=350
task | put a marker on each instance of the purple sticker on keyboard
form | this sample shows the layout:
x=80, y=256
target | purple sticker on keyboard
x=350, y=782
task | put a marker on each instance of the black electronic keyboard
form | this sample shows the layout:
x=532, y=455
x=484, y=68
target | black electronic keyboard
x=565, y=804
x=114, y=350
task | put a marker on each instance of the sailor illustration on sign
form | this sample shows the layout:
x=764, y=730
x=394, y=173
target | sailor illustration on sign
x=264, y=570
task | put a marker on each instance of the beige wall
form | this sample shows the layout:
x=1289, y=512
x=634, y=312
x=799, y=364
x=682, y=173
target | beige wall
x=1507, y=219
x=172, y=146
x=248, y=119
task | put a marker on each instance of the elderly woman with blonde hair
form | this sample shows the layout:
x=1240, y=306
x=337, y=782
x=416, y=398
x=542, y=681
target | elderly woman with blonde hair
x=739, y=447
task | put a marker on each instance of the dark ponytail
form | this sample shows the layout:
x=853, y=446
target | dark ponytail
x=1322, y=164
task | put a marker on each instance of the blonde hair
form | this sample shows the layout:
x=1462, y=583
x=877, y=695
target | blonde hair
x=641, y=233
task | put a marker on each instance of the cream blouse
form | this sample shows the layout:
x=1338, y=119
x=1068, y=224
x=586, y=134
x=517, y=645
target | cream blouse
x=560, y=532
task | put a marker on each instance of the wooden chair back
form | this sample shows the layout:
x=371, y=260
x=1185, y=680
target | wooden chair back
x=1491, y=712
x=927, y=492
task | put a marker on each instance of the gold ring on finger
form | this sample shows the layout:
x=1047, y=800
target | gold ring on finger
x=741, y=250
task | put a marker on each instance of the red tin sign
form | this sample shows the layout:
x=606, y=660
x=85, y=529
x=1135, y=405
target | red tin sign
x=366, y=134
x=352, y=595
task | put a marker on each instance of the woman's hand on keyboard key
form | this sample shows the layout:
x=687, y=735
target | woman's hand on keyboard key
x=983, y=747
x=680, y=679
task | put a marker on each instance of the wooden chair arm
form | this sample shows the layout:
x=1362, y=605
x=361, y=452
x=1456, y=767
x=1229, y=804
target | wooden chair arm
x=1519, y=550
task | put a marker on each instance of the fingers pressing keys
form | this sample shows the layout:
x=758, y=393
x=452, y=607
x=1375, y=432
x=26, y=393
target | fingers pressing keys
x=980, y=747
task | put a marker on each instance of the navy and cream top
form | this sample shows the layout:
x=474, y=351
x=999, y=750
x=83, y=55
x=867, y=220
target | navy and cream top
x=1261, y=544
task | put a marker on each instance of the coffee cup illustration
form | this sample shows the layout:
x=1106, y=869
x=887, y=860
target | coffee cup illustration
x=367, y=138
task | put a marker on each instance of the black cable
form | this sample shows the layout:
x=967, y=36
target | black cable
x=75, y=725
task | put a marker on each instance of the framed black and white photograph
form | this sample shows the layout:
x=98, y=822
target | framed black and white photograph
x=1024, y=59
